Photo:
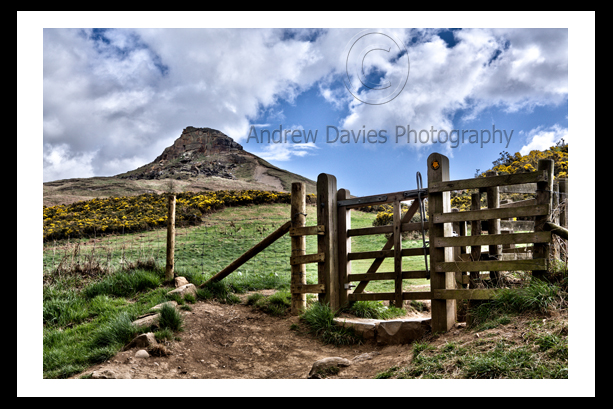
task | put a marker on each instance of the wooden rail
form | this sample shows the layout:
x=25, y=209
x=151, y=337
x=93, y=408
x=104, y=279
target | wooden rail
x=249, y=254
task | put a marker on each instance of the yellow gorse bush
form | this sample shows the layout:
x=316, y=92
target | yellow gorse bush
x=146, y=211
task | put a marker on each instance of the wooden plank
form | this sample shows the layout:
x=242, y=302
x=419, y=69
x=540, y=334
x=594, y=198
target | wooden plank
x=363, y=255
x=476, y=227
x=397, y=254
x=512, y=238
x=516, y=256
x=371, y=297
x=367, y=231
x=543, y=197
x=519, y=225
x=563, y=190
x=529, y=188
x=249, y=254
x=472, y=294
x=307, y=258
x=492, y=265
x=485, y=214
x=309, y=289
x=298, y=245
x=477, y=183
x=520, y=203
x=443, y=311
x=344, y=246
x=555, y=229
x=382, y=254
x=388, y=275
x=327, y=215
x=364, y=201
x=388, y=245
x=413, y=295
x=493, y=225
x=306, y=231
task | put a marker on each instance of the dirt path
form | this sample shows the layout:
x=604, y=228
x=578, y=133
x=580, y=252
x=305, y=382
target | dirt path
x=261, y=176
x=237, y=342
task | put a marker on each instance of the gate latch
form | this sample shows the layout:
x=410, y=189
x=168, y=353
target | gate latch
x=349, y=286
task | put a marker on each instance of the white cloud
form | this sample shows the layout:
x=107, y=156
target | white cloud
x=542, y=139
x=59, y=160
x=510, y=69
x=121, y=96
x=285, y=151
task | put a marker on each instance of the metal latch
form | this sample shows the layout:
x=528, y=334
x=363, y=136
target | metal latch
x=349, y=286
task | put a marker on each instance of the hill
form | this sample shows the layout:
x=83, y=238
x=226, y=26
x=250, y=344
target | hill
x=201, y=159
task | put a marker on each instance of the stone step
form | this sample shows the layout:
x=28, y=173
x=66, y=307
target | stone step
x=388, y=332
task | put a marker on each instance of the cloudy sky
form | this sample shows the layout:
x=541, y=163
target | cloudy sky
x=366, y=105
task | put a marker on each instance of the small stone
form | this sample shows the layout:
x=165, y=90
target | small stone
x=324, y=365
x=143, y=341
x=184, y=289
x=180, y=281
x=141, y=354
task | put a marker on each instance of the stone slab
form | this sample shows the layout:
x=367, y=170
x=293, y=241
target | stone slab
x=388, y=332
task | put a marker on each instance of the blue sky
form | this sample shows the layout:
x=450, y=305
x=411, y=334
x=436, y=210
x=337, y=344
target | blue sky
x=113, y=99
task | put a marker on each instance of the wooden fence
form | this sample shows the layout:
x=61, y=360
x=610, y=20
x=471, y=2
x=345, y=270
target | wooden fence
x=456, y=263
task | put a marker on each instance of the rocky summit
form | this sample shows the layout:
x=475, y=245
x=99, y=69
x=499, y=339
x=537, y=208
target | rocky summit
x=199, y=159
x=198, y=151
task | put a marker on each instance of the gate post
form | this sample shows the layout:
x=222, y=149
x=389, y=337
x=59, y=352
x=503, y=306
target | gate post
x=327, y=215
x=170, y=239
x=543, y=196
x=344, y=247
x=298, y=218
x=443, y=311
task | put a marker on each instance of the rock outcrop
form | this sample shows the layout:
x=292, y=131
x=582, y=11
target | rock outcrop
x=197, y=152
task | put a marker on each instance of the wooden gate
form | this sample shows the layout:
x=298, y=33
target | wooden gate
x=453, y=267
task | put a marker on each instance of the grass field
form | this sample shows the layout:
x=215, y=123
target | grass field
x=206, y=249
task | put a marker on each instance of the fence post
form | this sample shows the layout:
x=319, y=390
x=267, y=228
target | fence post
x=543, y=196
x=475, y=230
x=344, y=246
x=170, y=239
x=298, y=243
x=443, y=311
x=327, y=215
x=397, y=254
x=563, y=183
x=493, y=227
x=555, y=216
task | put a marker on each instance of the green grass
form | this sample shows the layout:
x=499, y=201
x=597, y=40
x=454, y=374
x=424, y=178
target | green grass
x=537, y=296
x=375, y=310
x=541, y=353
x=320, y=320
x=276, y=304
x=170, y=318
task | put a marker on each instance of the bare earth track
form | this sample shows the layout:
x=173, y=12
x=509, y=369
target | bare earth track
x=223, y=341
